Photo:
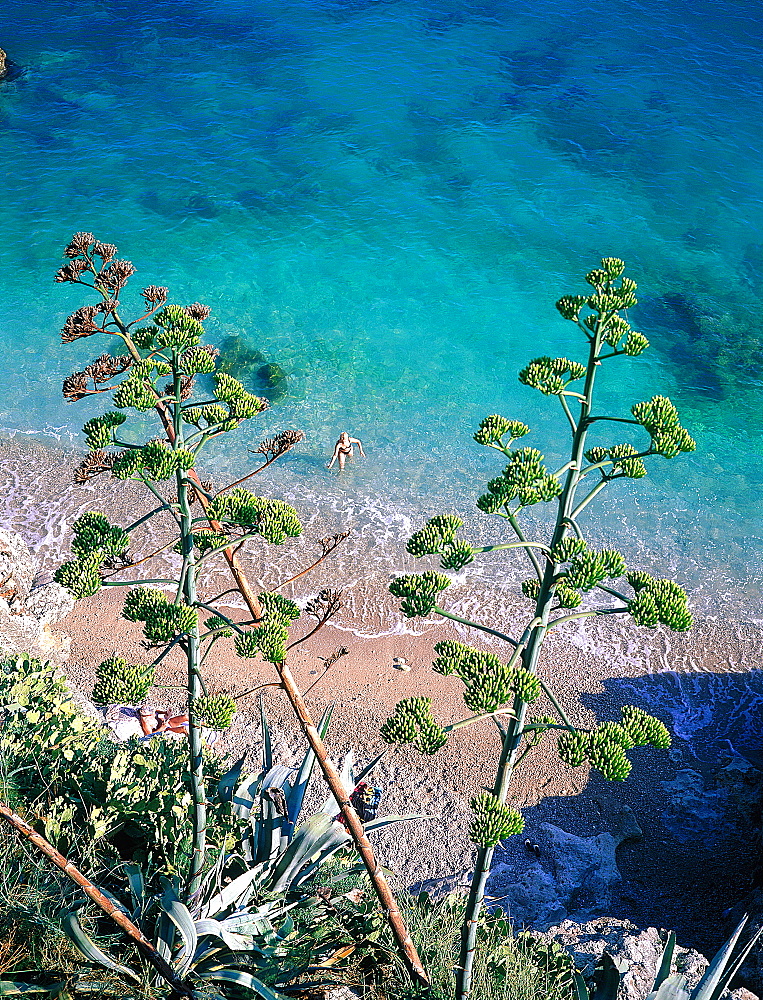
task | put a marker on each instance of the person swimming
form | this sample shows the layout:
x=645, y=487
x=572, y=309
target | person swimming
x=343, y=449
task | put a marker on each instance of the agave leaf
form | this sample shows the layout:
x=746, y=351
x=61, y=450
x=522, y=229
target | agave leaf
x=90, y=950
x=242, y=979
x=379, y=824
x=267, y=748
x=318, y=835
x=234, y=892
x=336, y=837
x=229, y=781
x=736, y=965
x=244, y=796
x=672, y=988
x=608, y=973
x=165, y=936
x=17, y=988
x=180, y=916
x=369, y=767
x=714, y=976
x=666, y=962
x=331, y=806
x=137, y=888
x=267, y=829
x=581, y=990
x=296, y=796
x=277, y=777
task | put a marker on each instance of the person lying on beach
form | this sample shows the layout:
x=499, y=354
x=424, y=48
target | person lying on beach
x=343, y=448
x=154, y=721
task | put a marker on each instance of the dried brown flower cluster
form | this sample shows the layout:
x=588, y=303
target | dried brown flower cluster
x=103, y=369
x=198, y=312
x=82, y=323
x=94, y=463
x=329, y=544
x=155, y=296
x=325, y=605
x=186, y=387
x=274, y=447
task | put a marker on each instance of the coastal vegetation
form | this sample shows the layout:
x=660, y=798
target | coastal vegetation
x=181, y=873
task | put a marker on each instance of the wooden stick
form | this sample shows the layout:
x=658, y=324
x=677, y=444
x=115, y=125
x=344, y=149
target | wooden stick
x=145, y=947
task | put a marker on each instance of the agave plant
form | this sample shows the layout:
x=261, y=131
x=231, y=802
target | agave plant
x=234, y=933
x=712, y=986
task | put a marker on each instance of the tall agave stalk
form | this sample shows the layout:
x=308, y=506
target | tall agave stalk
x=169, y=347
x=564, y=568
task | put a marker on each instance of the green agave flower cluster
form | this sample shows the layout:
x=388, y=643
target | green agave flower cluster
x=525, y=479
x=268, y=640
x=439, y=536
x=551, y=376
x=658, y=601
x=493, y=430
x=241, y=404
x=605, y=747
x=172, y=327
x=82, y=576
x=608, y=298
x=197, y=361
x=489, y=682
x=205, y=539
x=95, y=540
x=273, y=519
x=219, y=626
x=137, y=390
x=211, y=415
x=99, y=432
x=414, y=723
x=94, y=533
x=419, y=591
x=215, y=711
x=660, y=420
x=493, y=821
x=587, y=569
x=162, y=619
x=624, y=464
x=155, y=461
x=121, y=683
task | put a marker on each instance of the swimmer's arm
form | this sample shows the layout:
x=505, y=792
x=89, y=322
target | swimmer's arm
x=359, y=443
x=335, y=455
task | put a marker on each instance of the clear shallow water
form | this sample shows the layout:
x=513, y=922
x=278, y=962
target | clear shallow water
x=386, y=198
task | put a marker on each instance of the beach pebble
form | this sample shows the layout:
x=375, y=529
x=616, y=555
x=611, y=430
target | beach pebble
x=400, y=663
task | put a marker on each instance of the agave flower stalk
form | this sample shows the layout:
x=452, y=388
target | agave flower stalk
x=170, y=346
x=564, y=569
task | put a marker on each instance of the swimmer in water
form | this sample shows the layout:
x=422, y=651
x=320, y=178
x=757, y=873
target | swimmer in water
x=343, y=448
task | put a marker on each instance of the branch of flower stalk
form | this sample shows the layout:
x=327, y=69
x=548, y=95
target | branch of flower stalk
x=568, y=414
x=521, y=536
x=312, y=633
x=312, y=566
x=165, y=970
x=471, y=624
x=587, y=499
x=513, y=545
x=591, y=613
x=139, y=561
x=552, y=698
x=479, y=718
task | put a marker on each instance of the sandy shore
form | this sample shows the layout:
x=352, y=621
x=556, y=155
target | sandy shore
x=706, y=685
x=594, y=669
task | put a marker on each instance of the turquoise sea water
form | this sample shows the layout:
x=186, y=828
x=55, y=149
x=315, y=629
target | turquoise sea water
x=386, y=199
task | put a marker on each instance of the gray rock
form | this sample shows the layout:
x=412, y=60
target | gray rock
x=579, y=884
x=3, y=64
x=49, y=603
x=25, y=614
x=641, y=949
x=17, y=566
